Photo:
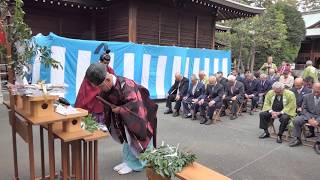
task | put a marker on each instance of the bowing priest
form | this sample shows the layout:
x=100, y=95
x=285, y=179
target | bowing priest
x=130, y=115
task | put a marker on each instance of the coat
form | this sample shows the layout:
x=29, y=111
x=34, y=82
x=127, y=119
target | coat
x=289, y=102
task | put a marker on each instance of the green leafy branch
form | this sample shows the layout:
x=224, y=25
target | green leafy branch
x=167, y=160
x=90, y=124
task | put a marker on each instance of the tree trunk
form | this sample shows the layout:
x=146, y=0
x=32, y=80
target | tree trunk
x=253, y=56
x=240, y=54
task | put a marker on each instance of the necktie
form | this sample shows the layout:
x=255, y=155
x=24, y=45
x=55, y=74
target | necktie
x=316, y=100
x=279, y=98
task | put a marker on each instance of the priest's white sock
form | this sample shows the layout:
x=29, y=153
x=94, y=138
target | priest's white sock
x=119, y=166
x=125, y=170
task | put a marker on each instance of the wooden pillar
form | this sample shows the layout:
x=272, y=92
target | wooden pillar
x=93, y=26
x=213, y=30
x=132, y=22
x=159, y=27
x=179, y=28
x=197, y=31
x=312, y=51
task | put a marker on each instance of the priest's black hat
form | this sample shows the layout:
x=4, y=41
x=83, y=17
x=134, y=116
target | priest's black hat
x=96, y=73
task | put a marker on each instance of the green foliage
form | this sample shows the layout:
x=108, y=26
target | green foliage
x=167, y=160
x=18, y=35
x=90, y=124
x=278, y=32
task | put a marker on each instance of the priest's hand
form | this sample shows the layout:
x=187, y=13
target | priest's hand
x=234, y=98
x=116, y=109
x=177, y=98
x=195, y=101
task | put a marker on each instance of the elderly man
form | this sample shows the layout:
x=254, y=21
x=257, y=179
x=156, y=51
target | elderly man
x=310, y=113
x=251, y=91
x=300, y=91
x=234, y=95
x=203, y=77
x=130, y=115
x=268, y=65
x=287, y=79
x=310, y=71
x=263, y=87
x=212, y=99
x=279, y=103
x=196, y=89
x=272, y=77
x=176, y=93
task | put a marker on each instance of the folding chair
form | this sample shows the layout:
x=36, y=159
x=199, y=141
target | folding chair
x=216, y=115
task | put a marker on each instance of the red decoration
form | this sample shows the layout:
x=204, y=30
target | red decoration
x=2, y=36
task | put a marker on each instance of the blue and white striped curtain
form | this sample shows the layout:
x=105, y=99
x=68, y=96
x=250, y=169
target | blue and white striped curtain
x=149, y=65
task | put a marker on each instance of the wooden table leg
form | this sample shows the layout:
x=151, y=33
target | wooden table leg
x=51, y=152
x=73, y=159
x=85, y=159
x=96, y=161
x=64, y=152
x=31, y=152
x=90, y=160
x=68, y=159
x=14, y=147
x=78, y=160
x=43, y=170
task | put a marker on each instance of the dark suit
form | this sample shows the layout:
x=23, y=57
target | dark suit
x=273, y=79
x=263, y=87
x=299, y=96
x=251, y=88
x=224, y=82
x=199, y=91
x=215, y=93
x=310, y=110
x=234, y=90
x=182, y=88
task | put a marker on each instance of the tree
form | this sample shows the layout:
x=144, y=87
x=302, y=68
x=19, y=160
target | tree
x=307, y=5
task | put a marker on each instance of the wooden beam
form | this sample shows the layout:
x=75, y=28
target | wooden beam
x=213, y=24
x=197, y=31
x=93, y=26
x=159, y=28
x=179, y=28
x=132, y=22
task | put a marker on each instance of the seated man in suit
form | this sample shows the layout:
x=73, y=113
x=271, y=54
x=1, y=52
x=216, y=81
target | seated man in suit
x=196, y=89
x=178, y=90
x=234, y=95
x=263, y=87
x=272, y=77
x=300, y=91
x=221, y=80
x=212, y=99
x=251, y=91
x=203, y=77
x=310, y=113
x=279, y=103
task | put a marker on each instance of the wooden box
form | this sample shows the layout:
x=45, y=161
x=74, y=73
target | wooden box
x=38, y=106
x=72, y=125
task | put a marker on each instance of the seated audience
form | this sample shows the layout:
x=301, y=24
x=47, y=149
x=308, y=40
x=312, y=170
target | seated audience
x=211, y=100
x=285, y=66
x=272, y=77
x=263, y=87
x=203, y=78
x=178, y=90
x=287, y=80
x=268, y=65
x=310, y=71
x=310, y=113
x=308, y=82
x=251, y=91
x=234, y=95
x=279, y=103
x=196, y=89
